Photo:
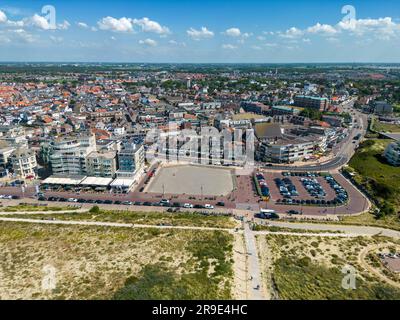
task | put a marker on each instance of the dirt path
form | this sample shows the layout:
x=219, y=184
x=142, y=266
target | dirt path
x=361, y=260
x=266, y=268
x=240, y=284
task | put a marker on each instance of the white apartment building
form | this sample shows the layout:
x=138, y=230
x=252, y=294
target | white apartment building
x=102, y=164
x=67, y=155
x=392, y=153
x=24, y=163
x=286, y=150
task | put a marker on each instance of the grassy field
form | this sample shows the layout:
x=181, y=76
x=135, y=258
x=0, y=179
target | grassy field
x=34, y=208
x=380, y=179
x=369, y=219
x=385, y=127
x=311, y=268
x=149, y=218
x=114, y=263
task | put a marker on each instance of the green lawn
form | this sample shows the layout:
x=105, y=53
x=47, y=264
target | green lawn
x=381, y=179
x=385, y=127
x=33, y=208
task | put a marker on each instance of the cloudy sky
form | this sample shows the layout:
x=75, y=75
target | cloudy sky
x=200, y=31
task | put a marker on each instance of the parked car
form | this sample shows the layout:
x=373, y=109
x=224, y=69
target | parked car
x=208, y=206
x=188, y=206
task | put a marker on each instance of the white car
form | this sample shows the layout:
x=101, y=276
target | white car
x=209, y=206
x=72, y=200
x=188, y=206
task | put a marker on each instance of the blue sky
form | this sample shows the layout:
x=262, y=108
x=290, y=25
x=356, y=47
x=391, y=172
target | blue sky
x=201, y=31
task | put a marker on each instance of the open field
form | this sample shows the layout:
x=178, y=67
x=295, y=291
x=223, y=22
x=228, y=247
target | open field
x=386, y=127
x=193, y=180
x=38, y=208
x=106, y=263
x=305, y=268
x=375, y=175
x=368, y=219
x=147, y=218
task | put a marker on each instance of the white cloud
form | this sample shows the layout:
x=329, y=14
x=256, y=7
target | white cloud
x=148, y=42
x=291, y=33
x=22, y=35
x=56, y=39
x=116, y=25
x=3, y=17
x=148, y=25
x=233, y=32
x=256, y=47
x=261, y=38
x=64, y=26
x=82, y=25
x=204, y=33
x=325, y=29
x=382, y=27
x=229, y=46
x=40, y=22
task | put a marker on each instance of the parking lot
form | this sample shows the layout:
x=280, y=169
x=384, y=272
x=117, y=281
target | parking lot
x=297, y=188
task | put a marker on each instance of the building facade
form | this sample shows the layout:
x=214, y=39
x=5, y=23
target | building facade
x=392, y=153
x=67, y=155
x=102, y=164
x=24, y=163
x=131, y=159
x=317, y=103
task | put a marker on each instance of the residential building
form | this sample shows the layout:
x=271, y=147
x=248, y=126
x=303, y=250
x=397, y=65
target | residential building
x=392, y=153
x=382, y=107
x=285, y=110
x=67, y=154
x=130, y=159
x=317, y=103
x=102, y=164
x=24, y=163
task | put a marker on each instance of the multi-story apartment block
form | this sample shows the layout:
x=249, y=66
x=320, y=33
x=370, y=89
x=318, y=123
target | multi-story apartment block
x=67, y=154
x=24, y=163
x=130, y=160
x=102, y=164
x=392, y=153
x=311, y=102
x=289, y=150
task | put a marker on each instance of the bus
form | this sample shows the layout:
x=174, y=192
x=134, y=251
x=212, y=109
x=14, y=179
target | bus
x=267, y=214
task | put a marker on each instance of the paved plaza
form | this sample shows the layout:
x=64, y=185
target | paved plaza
x=193, y=180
